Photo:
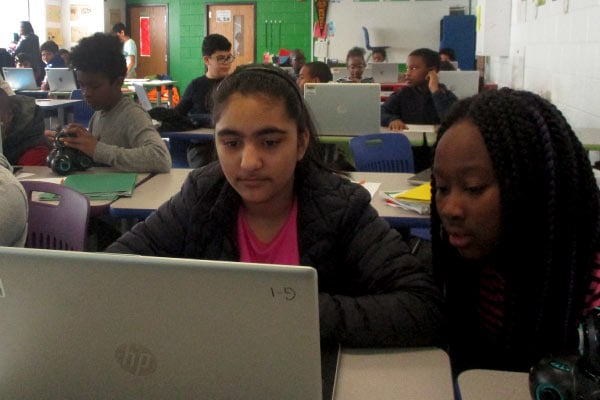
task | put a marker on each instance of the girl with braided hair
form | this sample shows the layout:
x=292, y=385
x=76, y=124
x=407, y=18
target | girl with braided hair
x=515, y=210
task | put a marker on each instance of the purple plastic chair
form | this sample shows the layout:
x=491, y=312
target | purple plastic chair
x=61, y=226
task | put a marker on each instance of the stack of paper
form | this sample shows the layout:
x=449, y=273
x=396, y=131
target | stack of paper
x=417, y=199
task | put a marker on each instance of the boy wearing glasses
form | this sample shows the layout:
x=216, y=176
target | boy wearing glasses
x=195, y=103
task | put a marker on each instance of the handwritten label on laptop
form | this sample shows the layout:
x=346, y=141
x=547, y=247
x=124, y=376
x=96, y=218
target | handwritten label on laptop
x=286, y=293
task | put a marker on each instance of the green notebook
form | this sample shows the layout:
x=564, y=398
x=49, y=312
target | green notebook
x=109, y=186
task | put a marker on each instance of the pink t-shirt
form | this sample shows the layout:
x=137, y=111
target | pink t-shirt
x=283, y=249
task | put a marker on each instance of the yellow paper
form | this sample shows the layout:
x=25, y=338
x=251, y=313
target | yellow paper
x=418, y=193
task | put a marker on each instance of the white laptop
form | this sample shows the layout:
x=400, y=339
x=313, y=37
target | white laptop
x=384, y=72
x=461, y=83
x=61, y=79
x=108, y=326
x=344, y=109
x=20, y=78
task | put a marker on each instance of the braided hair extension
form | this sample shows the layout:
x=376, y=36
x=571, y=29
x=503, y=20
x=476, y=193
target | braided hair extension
x=550, y=217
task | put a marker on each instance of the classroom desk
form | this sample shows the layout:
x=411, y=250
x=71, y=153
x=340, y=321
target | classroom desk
x=155, y=83
x=481, y=384
x=149, y=195
x=407, y=373
x=45, y=173
x=60, y=106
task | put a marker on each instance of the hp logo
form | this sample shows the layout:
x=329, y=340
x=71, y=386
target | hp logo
x=135, y=359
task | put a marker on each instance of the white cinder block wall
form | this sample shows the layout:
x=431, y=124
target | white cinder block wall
x=555, y=52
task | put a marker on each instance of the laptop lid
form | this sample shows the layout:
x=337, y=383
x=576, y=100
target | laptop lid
x=142, y=96
x=20, y=78
x=97, y=325
x=344, y=109
x=384, y=72
x=61, y=79
x=461, y=83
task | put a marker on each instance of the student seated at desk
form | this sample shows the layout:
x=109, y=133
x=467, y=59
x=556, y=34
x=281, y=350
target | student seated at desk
x=13, y=207
x=23, y=138
x=516, y=209
x=51, y=58
x=269, y=198
x=316, y=71
x=424, y=100
x=120, y=133
x=356, y=64
x=195, y=103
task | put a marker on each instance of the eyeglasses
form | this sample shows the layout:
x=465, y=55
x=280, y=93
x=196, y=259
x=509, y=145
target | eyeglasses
x=224, y=59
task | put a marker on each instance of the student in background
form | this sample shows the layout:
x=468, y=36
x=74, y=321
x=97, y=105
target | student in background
x=298, y=59
x=29, y=43
x=51, y=58
x=23, y=60
x=129, y=48
x=195, y=104
x=425, y=100
x=120, y=133
x=13, y=207
x=317, y=72
x=515, y=230
x=23, y=139
x=447, y=54
x=356, y=64
x=378, y=55
x=447, y=66
x=64, y=54
x=270, y=199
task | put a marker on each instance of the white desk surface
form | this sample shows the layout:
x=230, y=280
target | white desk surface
x=54, y=104
x=148, y=196
x=415, y=134
x=409, y=373
x=481, y=384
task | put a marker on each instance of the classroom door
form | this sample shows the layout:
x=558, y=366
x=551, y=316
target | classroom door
x=237, y=22
x=149, y=30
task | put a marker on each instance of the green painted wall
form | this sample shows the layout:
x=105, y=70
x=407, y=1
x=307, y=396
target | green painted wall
x=187, y=29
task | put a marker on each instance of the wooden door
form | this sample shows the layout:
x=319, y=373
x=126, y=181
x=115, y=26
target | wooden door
x=151, y=23
x=237, y=22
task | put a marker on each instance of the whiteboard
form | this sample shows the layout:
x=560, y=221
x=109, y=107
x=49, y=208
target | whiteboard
x=404, y=25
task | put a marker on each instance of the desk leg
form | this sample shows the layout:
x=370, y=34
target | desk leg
x=158, y=96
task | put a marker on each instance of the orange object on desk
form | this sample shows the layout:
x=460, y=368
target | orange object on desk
x=164, y=93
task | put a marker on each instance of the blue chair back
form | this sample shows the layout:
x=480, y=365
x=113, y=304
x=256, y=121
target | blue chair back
x=82, y=112
x=382, y=152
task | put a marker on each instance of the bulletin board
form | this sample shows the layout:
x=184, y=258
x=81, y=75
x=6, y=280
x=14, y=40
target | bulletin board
x=404, y=25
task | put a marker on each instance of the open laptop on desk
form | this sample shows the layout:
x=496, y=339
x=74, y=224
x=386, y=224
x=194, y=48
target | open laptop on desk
x=61, y=79
x=20, y=78
x=461, y=83
x=384, y=72
x=348, y=109
x=94, y=325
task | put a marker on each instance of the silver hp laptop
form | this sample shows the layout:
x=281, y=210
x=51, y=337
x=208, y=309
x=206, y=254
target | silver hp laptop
x=461, y=83
x=109, y=326
x=344, y=109
x=61, y=79
x=20, y=78
x=384, y=72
